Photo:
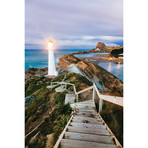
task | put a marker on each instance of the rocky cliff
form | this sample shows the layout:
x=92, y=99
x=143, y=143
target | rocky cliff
x=113, y=85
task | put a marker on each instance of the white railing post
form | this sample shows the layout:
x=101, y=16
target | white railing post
x=100, y=104
x=94, y=94
x=77, y=97
x=100, y=100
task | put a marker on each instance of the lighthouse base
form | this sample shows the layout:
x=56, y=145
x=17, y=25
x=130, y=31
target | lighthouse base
x=53, y=75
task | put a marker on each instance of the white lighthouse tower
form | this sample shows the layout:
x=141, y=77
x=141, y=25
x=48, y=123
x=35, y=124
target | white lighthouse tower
x=51, y=61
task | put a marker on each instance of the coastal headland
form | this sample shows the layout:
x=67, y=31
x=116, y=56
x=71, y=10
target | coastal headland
x=103, y=53
x=45, y=112
x=100, y=47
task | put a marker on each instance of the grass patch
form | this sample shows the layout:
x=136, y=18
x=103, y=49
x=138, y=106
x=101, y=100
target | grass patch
x=113, y=116
x=58, y=79
x=59, y=97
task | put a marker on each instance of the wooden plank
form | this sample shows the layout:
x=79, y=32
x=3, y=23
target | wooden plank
x=87, y=125
x=113, y=99
x=82, y=109
x=87, y=115
x=89, y=137
x=85, y=105
x=86, y=89
x=86, y=118
x=93, y=131
x=87, y=111
x=83, y=117
x=86, y=121
x=85, y=102
x=67, y=143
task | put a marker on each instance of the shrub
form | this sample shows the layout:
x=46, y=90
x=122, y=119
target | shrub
x=59, y=127
x=59, y=97
x=58, y=79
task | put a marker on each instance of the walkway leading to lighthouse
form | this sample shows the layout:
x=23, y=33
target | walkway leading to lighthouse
x=86, y=129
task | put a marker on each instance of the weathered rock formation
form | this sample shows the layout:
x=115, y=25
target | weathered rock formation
x=113, y=85
x=101, y=46
x=66, y=60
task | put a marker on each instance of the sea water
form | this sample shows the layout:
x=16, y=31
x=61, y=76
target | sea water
x=39, y=59
x=114, y=68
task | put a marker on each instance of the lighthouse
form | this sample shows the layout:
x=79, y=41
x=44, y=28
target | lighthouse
x=51, y=61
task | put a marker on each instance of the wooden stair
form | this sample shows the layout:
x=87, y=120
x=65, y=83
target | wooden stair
x=86, y=129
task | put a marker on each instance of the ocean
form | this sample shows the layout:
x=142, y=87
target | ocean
x=39, y=59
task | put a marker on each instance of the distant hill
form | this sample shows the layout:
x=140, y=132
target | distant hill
x=100, y=47
x=104, y=48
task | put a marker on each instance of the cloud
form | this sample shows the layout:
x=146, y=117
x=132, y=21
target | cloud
x=74, y=22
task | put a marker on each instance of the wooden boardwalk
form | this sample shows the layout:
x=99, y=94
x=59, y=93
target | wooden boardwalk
x=86, y=129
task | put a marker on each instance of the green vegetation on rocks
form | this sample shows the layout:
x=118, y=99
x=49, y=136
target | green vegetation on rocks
x=48, y=106
x=78, y=80
x=58, y=79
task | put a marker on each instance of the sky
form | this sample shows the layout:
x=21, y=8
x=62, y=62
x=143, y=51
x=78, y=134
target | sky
x=73, y=23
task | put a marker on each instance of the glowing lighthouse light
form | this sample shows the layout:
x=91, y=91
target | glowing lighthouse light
x=51, y=62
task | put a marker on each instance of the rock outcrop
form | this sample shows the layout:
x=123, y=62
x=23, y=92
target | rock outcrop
x=100, y=47
x=113, y=85
x=66, y=60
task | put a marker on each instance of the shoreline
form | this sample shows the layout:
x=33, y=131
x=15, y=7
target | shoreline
x=101, y=58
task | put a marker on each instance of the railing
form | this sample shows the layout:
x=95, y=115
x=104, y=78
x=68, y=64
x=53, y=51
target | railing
x=112, y=99
x=66, y=83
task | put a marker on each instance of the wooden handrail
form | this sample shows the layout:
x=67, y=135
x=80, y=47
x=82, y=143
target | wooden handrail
x=62, y=134
x=86, y=89
x=112, y=99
